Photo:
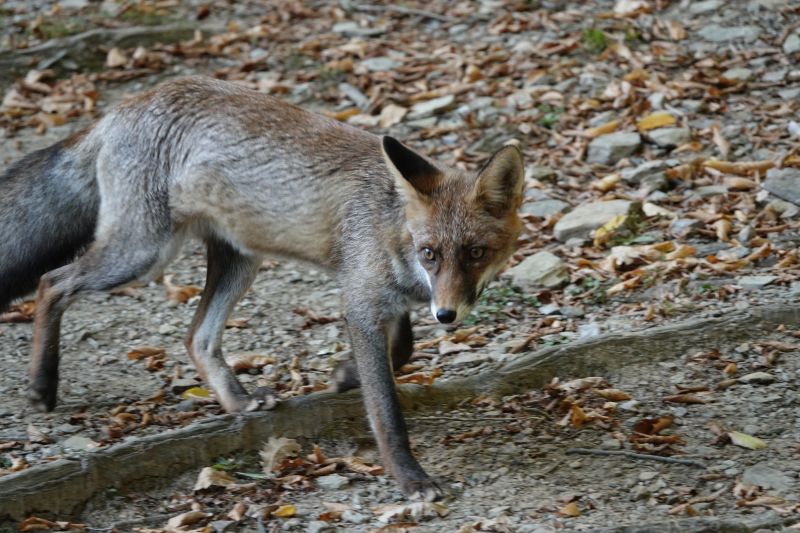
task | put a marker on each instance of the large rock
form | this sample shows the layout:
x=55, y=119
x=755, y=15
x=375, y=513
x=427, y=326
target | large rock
x=544, y=208
x=608, y=149
x=718, y=34
x=767, y=478
x=784, y=183
x=580, y=222
x=541, y=270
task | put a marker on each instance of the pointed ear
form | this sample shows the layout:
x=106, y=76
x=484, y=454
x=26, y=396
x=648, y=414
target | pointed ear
x=500, y=183
x=413, y=174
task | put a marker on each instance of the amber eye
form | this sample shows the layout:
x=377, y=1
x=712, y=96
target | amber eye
x=476, y=252
x=428, y=254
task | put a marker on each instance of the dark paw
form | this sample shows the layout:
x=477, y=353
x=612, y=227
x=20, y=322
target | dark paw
x=345, y=376
x=42, y=399
x=263, y=399
x=427, y=490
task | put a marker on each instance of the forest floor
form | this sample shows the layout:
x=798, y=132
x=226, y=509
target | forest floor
x=663, y=162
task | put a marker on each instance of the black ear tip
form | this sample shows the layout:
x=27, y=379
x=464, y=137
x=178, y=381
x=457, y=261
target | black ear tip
x=390, y=144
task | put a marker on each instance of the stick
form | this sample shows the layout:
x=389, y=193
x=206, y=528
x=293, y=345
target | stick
x=634, y=455
x=404, y=11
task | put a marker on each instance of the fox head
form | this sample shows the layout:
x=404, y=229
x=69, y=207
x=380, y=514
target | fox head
x=464, y=226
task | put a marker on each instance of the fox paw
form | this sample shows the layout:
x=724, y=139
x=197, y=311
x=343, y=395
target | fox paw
x=345, y=376
x=262, y=399
x=427, y=490
x=42, y=399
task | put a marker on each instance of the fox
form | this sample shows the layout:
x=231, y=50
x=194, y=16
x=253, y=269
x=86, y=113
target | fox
x=252, y=177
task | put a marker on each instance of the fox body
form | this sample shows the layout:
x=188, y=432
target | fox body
x=253, y=176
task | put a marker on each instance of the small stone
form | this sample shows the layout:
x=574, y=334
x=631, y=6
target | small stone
x=705, y=6
x=587, y=331
x=718, y=34
x=647, y=475
x=745, y=234
x=751, y=283
x=545, y=208
x=791, y=44
x=571, y=311
x=790, y=94
x=354, y=517
x=738, y=74
x=610, y=148
x=166, y=329
x=580, y=222
x=221, y=526
x=353, y=29
x=550, y=309
x=630, y=405
x=79, y=443
x=680, y=227
x=380, y=64
x=640, y=493
x=320, y=526
x=66, y=429
x=73, y=4
x=766, y=477
x=542, y=269
x=670, y=137
x=783, y=183
x=774, y=76
x=610, y=444
x=635, y=175
x=332, y=482
x=783, y=208
x=431, y=107
x=541, y=173
x=758, y=378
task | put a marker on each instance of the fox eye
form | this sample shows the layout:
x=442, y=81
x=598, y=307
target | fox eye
x=428, y=254
x=476, y=252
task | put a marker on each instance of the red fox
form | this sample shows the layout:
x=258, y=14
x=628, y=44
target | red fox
x=251, y=175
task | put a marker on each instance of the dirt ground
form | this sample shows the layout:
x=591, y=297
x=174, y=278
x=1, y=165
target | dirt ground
x=125, y=372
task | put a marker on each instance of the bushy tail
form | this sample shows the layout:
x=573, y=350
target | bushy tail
x=48, y=211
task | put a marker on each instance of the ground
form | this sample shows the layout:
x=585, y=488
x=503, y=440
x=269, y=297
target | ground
x=704, y=184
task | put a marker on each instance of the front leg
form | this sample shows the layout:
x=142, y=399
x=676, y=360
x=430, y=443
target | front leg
x=370, y=347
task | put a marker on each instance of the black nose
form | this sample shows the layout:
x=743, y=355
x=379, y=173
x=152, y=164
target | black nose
x=445, y=316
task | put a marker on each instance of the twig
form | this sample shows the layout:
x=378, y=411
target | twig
x=404, y=11
x=634, y=455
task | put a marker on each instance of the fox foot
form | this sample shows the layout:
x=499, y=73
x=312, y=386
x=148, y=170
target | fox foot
x=427, y=490
x=345, y=376
x=262, y=399
x=42, y=397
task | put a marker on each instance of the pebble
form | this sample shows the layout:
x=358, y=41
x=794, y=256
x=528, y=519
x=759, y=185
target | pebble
x=783, y=183
x=545, y=208
x=766, y=477
x=332, y=482
x=791, y=44
x=670, y=137
x=320, y=526
x=354, y=517
x=610, y=148
x=705, y=6
x=431, y=107
x=79, y=443
x=637, y=174
x=718, y=34
x=752, y=283
x=542, y=269
x=738, y=74
x=581, y=221
x=758, y=378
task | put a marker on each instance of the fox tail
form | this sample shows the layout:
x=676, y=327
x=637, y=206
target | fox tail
x=48, y=211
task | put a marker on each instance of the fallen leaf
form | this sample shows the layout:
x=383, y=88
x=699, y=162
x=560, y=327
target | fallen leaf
x=211, y=477
x=285, y=511
x=391, y=115
x=684, y=398
x=659, y=119
x=116, y=58
x=180, y=293
x=187, y=519
x=746, y=441
x=615, y=395
x=414, y=511
x=275, y=450
x=243, y=362
x=570, y=510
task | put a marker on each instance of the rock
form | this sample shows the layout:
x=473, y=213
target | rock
x=647, y=475
x=380, y=64
x=66, y=429
x=320, y=526
x=608, y=149
x=545, y=208
x=431, y=107
x=610, y=443
x=542, y=269
x=73, y=4
x=332, y=482
x=745, y=234
x=710, y=190
x=587, y=331
x=767, y=477
x=635, y=175
x=354, y=517
x=704, y=6
x=680, y=227
x=581, y=221
x=550, y=309
x=79, y=443
x=541, y=173
x=792, y=44
x=222, y=526
x=718, y=34
x=783, y=183
x=751, y=283
x=783, y=208
x=758, y=378
x=670, y=137
x=353, y=29
x=738, y=74
x=790, y=94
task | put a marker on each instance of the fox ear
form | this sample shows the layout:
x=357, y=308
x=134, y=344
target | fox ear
x=413, y=174
x=499, y=185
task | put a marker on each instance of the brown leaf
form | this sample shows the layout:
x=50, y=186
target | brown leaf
x=180, y=293
x=571, y=510
x=116, y=58
x=684, y=398
x=615, y=395
x=653, y=426
x=211, y=477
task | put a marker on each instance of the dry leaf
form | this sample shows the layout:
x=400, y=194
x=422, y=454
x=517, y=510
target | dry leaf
x=275, y=450
x=414, y=511
x=391, y=115
x=570, y=510
x=659, y=119
x=746, y=441
x=211, y=477
x=684, y=398
x=243, y=362
x=602, y=129
x=116, y=58
x=180, y=293
x=615, y=395
x=285, y=511
x=187, y=519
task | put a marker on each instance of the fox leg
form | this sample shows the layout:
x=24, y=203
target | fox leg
x=369, y=340
x=107, y=264
x=230, y=274
x=401, y=346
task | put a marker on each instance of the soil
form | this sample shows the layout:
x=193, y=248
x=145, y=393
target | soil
x=506, y=461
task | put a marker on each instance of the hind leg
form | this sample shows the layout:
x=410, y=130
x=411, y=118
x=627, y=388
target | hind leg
x=230, y=274
x=109, y=263
x=401, y=347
